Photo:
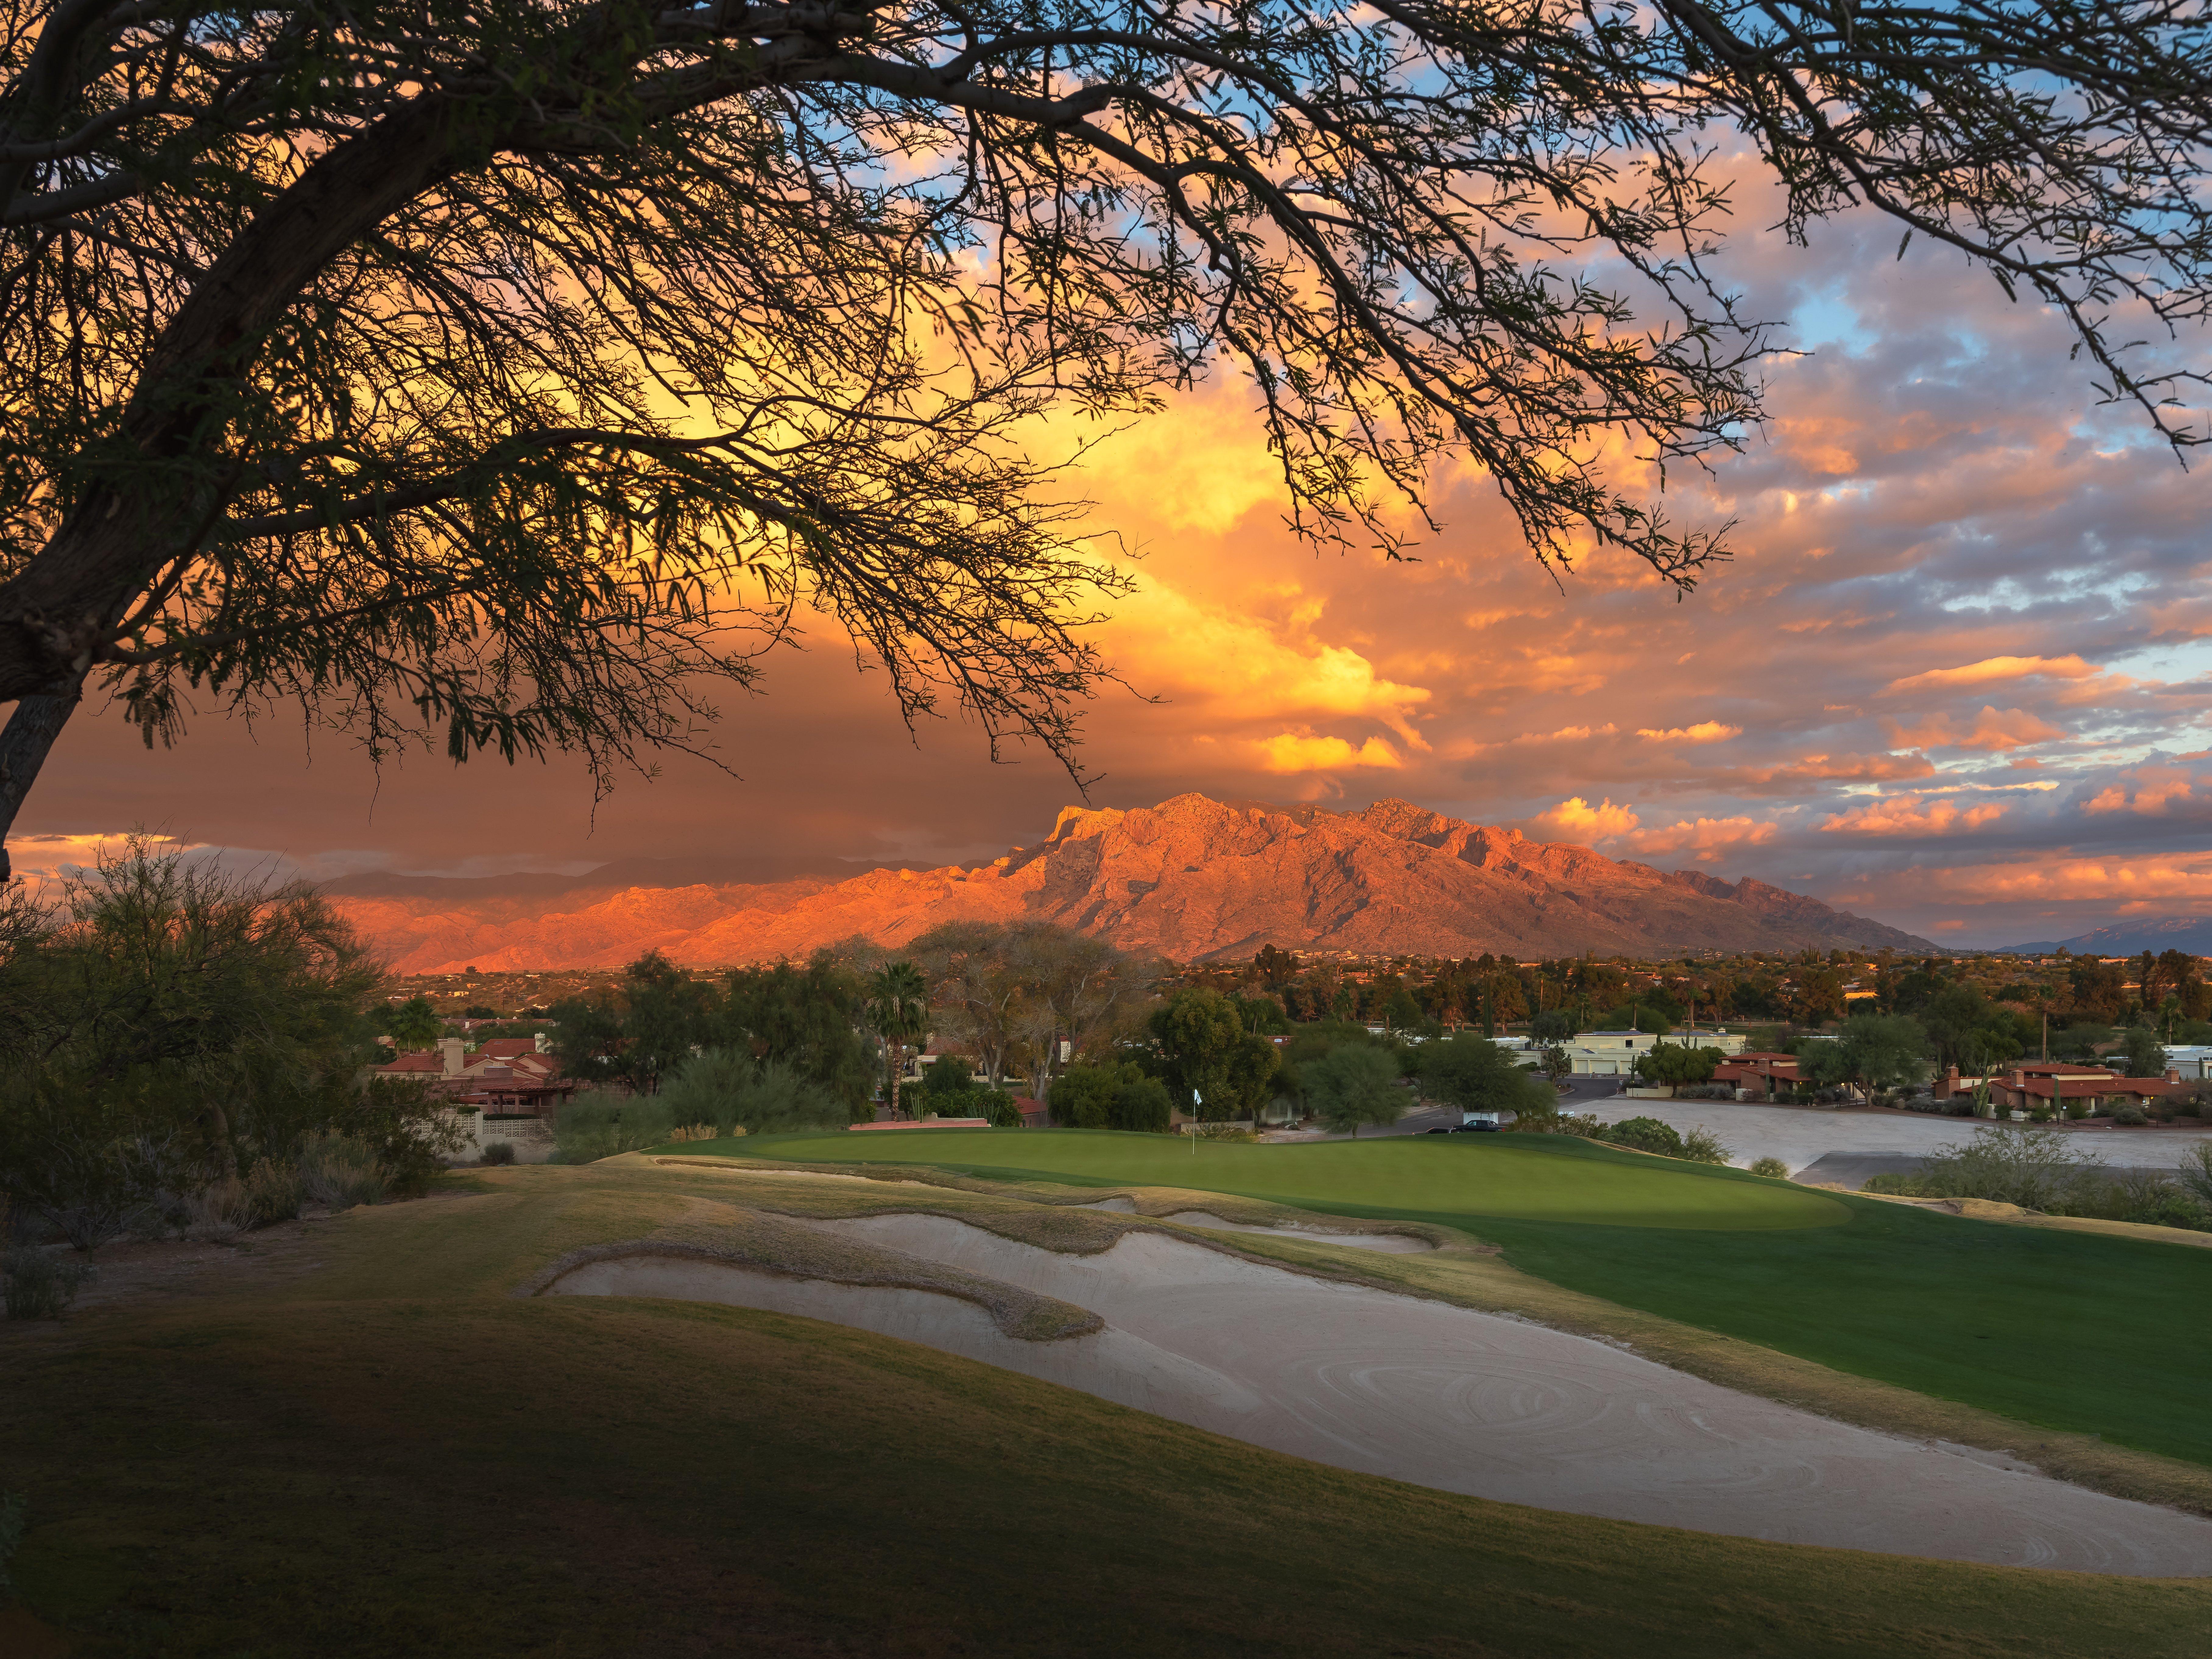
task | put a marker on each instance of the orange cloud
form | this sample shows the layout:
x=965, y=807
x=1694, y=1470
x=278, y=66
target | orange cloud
x=1998, y=668
x=1908, y=815
x=1576, y=820
x=1703, y=732
x=1709, y=839
x=1837, y=768
x=1298, y=752
x=2151, y=799
x=1993, y=729
x=2174, y=881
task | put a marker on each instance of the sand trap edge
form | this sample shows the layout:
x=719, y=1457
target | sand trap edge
x=1019, y=1314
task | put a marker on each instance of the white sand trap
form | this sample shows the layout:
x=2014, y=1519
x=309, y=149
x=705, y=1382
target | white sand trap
x=1388, y=1243
x=1469, y=1403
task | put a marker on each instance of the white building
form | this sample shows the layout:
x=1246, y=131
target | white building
x=2191, y=1061
x=1614, y=1054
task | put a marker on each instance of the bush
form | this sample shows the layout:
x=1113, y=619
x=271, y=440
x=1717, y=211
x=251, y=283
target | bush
x=1701, y=1146
x=274, y=1192
x=594, y=1125
x=1772, y=1167
x=340, y=1171
x=2195, y=1174
x=39, y=1283
x=2036, y=1168
x=1644, y=1134
x=498, y=1151
x=726, y=1088
x=217, y=1212
x=2148, y=1197
x=1114, y=1096
x=2130, y=1115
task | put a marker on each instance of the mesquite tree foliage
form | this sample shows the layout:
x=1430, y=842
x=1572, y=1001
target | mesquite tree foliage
x=519, y=368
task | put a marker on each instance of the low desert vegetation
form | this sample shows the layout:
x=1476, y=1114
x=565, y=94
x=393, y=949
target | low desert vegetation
x=1772, y=1167
x=2048, y=1171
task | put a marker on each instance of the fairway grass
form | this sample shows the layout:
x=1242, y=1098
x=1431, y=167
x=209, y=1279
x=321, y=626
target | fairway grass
x=394, y=1454
x=2054, y=1330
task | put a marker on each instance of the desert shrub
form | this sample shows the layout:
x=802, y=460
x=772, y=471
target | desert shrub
x=1773, y=1167
x=1644, y=1134
x=684, y=1131
x=498, y=1151
x=2148, y=1196
x=2078, y=1110
x=2035, y=1168
x=1220, y=1132
x=595, y=1125
x=736, y=1094
x=1582, y=1127
x=1898, y=1185
x=340, y=1171
x=2194, y=1174
x=2130, y=1115
x=40, y=1285
x=1701, y=1146
x=218, y=1212
x=275, y=1191
x=997, y=1105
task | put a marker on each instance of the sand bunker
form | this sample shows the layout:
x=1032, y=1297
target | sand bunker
x=1388, y=1243
x=1449, y=1398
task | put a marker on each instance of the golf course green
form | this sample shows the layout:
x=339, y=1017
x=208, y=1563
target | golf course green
x=2064, y=1330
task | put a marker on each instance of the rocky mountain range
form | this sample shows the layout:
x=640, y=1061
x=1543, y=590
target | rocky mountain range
x=1192, y=878
x=2127, y=939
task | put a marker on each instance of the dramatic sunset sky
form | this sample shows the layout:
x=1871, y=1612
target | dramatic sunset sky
x=1960, y=678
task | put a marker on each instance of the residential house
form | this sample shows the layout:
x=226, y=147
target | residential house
x=1762, y=1074
x=506, y=1077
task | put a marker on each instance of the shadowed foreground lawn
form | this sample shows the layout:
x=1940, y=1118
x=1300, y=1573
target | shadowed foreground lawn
x=2062, y=1330
x=390, y=1455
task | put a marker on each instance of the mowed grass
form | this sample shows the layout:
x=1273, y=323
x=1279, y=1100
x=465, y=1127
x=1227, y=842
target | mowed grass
x=1512, y=1177
x=2064, y=1330
x=390, y=1455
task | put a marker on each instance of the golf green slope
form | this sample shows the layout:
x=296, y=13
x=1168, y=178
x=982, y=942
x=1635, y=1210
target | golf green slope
x=349, y=1437
x=2099, y=1336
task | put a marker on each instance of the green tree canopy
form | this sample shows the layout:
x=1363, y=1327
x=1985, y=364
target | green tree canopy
x=1670, y=1065
x=1354, y=1084
x=1473, y=1074
x=1118, y=1095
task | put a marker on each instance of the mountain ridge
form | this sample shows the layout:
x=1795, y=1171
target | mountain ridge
x=1191, y=879
x=2127, y=938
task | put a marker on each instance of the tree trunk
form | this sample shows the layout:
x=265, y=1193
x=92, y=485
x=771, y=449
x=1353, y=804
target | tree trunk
x=25, y=743
x=898, y=1065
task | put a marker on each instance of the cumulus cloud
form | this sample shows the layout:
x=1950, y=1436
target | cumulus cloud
x=1576, y=820
x=1912, y=815
x=1709, y=839
x=2153, y=796
x=1994, y=729
x=1300, y=751
x=1703, y=732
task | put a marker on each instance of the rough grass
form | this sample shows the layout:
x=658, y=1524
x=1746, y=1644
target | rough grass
x=395, y=1455
x=2059, y=1331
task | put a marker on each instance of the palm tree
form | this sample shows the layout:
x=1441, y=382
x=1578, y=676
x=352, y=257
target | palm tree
x=898, y=1010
